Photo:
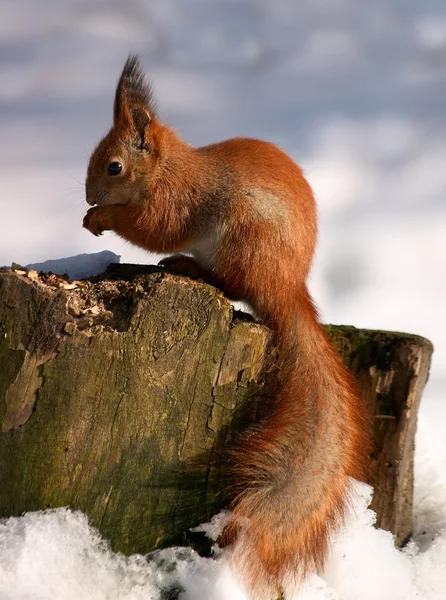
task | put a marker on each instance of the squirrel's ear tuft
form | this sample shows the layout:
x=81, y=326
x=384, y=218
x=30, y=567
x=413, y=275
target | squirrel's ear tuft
x=133, y=92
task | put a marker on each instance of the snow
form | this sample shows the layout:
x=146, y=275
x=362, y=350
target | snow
x=354, y=91
x=56, y=555
x=80, y=266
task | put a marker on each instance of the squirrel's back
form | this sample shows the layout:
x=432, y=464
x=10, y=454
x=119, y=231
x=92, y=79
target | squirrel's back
x=264, y=186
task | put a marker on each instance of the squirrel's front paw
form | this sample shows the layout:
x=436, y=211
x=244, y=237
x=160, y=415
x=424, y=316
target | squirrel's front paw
x=94, y=220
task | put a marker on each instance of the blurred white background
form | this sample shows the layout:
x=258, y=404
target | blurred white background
x=354, y=90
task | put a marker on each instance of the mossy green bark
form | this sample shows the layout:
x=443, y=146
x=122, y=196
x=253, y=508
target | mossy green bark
x=120, y=398
x=128, y=418
x=392, y=369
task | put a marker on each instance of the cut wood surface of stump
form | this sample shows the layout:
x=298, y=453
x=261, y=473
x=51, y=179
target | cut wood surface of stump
x=119, y=397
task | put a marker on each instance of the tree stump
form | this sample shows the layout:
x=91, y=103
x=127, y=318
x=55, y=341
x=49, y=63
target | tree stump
x=119, y=396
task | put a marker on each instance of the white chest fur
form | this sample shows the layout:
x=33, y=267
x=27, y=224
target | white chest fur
x=205, y=250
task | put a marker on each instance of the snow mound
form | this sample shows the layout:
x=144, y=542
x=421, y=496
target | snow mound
x=81, y=266
x=57, y=555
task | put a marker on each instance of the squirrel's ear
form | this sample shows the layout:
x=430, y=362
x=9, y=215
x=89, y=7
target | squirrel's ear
x=140, y=127
x=134, y=102
x=141, y=119
x=121, y=113
x=120, y=108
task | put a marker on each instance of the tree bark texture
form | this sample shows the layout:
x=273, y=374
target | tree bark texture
x=120, y=396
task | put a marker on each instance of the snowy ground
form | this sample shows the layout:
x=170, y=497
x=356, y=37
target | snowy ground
x=57, y=556
x=355, y=91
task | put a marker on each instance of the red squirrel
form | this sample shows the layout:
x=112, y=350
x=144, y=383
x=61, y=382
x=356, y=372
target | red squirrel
x=245, y=212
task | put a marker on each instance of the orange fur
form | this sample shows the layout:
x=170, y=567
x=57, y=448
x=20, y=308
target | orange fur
x=243, y=208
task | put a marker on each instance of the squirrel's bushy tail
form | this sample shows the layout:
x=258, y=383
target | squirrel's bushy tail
x=294, y=469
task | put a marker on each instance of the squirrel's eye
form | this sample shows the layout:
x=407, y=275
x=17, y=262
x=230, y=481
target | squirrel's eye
x=114, y=168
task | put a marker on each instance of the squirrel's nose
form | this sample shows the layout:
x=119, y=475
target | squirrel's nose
x=90, y=196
